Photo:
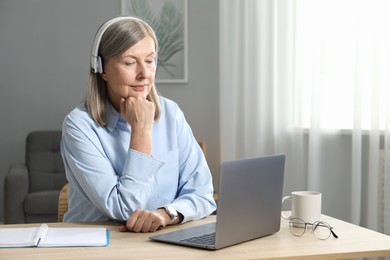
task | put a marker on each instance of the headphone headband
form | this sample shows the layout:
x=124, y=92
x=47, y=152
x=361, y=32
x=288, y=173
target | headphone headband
x=96, y=61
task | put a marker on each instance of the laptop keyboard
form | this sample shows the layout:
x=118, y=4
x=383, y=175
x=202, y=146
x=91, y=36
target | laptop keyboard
x=205, y=239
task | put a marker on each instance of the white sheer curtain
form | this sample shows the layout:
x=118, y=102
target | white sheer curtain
x=311, y=79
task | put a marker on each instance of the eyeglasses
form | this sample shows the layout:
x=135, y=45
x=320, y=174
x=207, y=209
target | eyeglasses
x=321, y=229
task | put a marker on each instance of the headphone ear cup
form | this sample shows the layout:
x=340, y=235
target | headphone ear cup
x=99, y=65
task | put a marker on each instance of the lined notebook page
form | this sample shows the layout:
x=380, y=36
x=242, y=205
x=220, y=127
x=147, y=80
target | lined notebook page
x=58, y=237
x=53, y=237
x=18, y=237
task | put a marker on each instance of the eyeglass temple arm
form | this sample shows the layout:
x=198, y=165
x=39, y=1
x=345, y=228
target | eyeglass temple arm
x=333, y=233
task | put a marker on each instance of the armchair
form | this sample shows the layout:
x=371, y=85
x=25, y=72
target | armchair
x=31, y=189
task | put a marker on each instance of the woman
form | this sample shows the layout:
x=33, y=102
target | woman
x=129, y=154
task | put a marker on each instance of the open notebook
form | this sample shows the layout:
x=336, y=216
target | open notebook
x=45, y=236
x=249, y=205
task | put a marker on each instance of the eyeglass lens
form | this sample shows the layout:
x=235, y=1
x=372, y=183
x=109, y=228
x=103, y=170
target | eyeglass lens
x=297, y=226
x=321, y=230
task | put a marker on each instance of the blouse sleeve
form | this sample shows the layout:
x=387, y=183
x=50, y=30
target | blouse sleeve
x=195, y=198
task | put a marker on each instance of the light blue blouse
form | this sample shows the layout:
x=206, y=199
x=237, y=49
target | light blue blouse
x=108, y=180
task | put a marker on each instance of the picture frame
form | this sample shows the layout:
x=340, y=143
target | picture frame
x=169, y=20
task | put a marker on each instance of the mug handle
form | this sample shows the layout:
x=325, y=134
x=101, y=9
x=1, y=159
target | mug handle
x=284, y=199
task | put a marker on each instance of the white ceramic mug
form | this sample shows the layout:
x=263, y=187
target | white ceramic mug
x=305, y=205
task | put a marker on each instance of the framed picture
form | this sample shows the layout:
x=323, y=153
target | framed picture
x=168, y=18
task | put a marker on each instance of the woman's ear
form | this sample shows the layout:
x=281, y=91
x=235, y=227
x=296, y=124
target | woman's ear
x=103, y=75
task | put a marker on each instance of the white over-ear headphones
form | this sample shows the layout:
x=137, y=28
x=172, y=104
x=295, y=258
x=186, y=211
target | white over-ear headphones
x=96, y=61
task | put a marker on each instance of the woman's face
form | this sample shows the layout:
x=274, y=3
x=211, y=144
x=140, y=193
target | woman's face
x=132, y=73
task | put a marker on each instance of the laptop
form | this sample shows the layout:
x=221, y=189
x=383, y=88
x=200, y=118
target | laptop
x=249, y=205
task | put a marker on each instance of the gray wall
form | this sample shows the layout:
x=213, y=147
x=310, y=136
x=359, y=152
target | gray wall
x=44, y=63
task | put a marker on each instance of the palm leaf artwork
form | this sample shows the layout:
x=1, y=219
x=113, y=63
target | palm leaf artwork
x=168, y=28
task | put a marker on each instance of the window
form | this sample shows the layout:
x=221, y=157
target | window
x=342, y=64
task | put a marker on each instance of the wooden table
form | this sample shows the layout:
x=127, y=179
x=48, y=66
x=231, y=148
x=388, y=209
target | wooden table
x=353, y=242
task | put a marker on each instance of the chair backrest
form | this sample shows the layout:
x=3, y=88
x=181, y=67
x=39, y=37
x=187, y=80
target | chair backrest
x=44, y=161
x=63, y=198
x=63, y=202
